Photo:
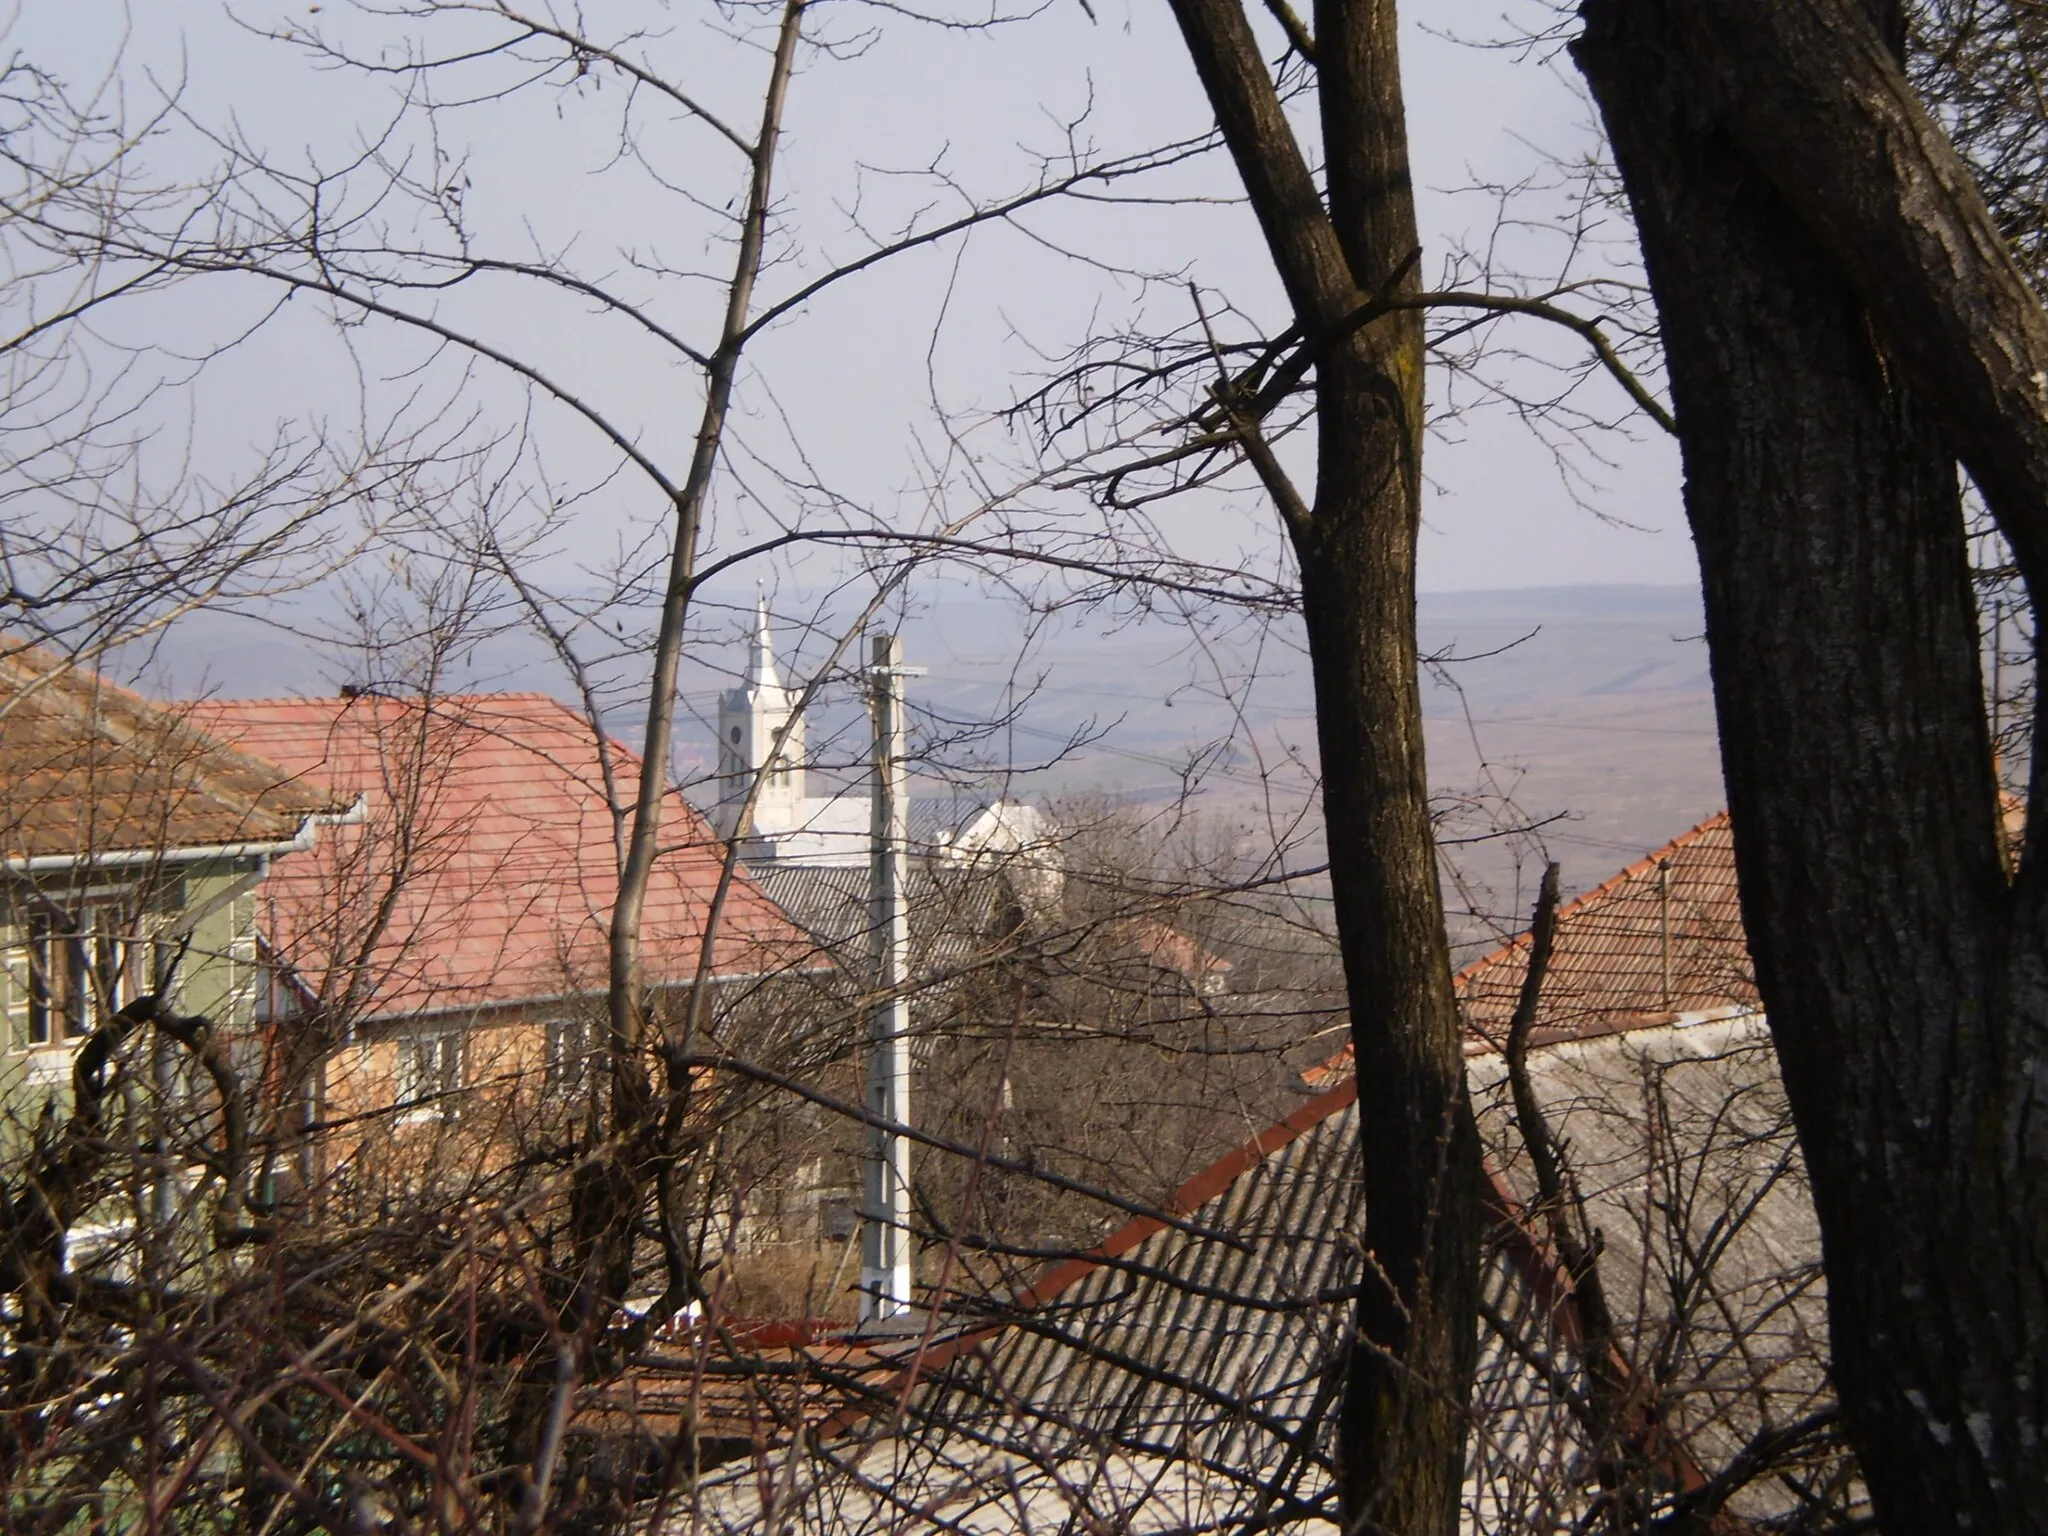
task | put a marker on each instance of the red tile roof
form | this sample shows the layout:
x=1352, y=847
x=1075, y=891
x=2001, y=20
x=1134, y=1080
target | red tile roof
x=1661, y=938
x=490, y=844
x=752, y=1384
x=89, y=770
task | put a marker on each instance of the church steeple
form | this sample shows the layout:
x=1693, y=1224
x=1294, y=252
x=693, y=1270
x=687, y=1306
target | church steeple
x=749, y=719
x=761, y=671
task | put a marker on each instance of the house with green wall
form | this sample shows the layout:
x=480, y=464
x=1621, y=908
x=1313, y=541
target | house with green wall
x=131, y=848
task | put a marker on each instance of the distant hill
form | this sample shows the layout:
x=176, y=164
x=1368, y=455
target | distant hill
x=1587, y=703
x=1604, y=716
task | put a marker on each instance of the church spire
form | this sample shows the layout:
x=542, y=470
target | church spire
x=760, y=741
x=761, y=671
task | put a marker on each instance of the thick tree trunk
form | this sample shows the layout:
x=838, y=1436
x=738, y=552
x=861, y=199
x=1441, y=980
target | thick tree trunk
x=1814, y=95
x=1901, y=978
x=1404, y=1411
x=1403, y=1415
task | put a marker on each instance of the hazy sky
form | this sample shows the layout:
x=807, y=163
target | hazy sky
x=850, y=381
x=885, y=394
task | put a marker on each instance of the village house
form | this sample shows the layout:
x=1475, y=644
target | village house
x=133, y=848
x=444, y=961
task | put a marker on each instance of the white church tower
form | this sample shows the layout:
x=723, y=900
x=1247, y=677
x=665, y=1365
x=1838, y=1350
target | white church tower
x=749, y=719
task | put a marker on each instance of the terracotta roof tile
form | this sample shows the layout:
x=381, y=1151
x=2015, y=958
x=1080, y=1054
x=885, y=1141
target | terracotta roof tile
x=1662, y=938
x=741, y=1385
x=486, y=869
x=88, y=769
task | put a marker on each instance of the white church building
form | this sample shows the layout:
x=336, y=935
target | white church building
x=761, y=755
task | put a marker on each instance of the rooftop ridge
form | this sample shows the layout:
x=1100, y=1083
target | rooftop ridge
x=626, y=759
x=51, y=672
x=206, y=700
x=121, y=772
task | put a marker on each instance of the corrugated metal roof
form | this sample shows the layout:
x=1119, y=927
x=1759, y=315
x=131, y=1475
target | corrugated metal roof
x=88, y=769
x=1204, y=1361
x=955, y=914
x=935, y=820
x=490, y=845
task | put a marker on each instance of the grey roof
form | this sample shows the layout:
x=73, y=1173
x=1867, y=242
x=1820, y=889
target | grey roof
x=1176, y=1377
x=935, y=819
x=954, y=913
x=1178, y=1368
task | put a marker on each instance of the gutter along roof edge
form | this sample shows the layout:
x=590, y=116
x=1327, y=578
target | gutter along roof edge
x=198, y=853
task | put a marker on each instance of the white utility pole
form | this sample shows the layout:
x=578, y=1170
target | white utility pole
x=885, y=1235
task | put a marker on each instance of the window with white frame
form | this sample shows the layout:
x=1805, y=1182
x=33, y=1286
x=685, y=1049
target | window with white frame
x=565, y=1058
x=429, y=1071
x=81, y=967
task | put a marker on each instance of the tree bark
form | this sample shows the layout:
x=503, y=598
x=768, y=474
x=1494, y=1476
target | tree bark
x=1816, y=99
x=1901, y=972
x=1402, y=1422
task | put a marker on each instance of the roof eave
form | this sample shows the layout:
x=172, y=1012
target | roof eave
x=194, y=853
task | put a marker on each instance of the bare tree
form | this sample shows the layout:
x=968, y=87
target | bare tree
x=429, y=1362
x=113, y=531
x=325, y=1398
x=1403, y=1424
x=1844, y=323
